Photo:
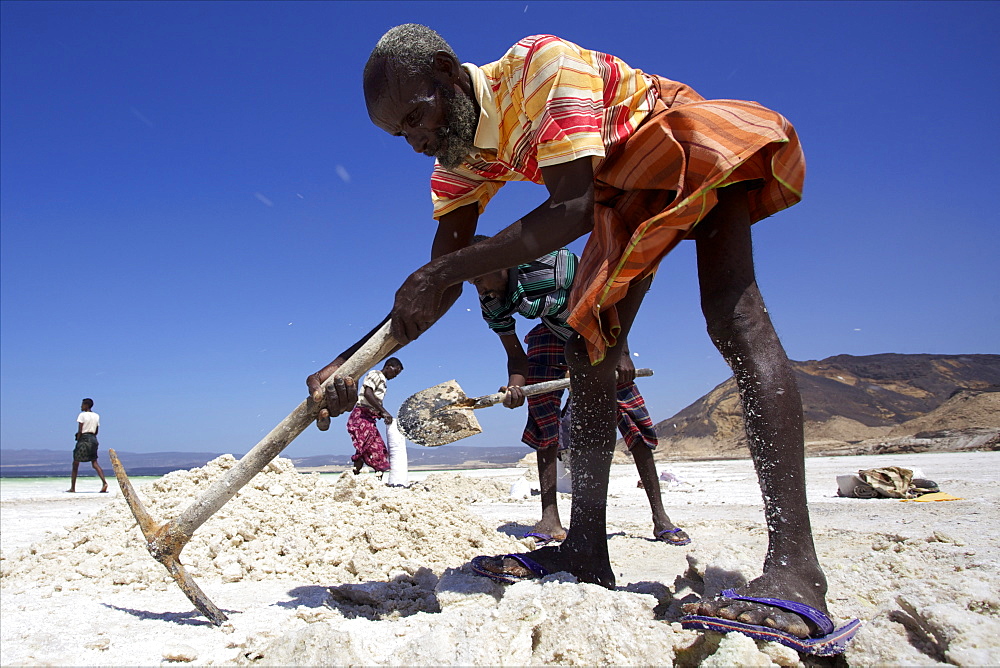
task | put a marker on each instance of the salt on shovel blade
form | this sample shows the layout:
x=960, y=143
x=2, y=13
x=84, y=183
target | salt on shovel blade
x=422, y=420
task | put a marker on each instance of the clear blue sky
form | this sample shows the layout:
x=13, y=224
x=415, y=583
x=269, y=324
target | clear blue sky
x=197, y=212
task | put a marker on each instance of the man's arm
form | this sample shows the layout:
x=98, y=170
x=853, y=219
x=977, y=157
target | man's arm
x=517, y=371
x=374, y=402
x=567, y=214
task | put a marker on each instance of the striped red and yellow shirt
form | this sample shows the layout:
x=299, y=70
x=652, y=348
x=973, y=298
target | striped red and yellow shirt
x=545, y=102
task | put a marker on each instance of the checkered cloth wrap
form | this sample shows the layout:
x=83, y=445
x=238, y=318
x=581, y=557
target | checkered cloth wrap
x=547, y=361
x=660, y=182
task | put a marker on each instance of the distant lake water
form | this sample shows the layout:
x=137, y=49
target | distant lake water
x=48, y=487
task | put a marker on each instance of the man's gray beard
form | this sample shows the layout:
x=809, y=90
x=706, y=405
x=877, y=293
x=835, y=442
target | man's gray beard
x=455, y=138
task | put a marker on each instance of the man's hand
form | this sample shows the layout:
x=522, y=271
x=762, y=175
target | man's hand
x=514, y=391
x=513, y=396
x=339, y=396
x=419, y=304
x=625, y=368
x=388, y=418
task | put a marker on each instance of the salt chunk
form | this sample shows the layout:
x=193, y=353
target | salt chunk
x=183, y=653
x=736, y=649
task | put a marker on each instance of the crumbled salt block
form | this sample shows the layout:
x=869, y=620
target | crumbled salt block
x=736, y=649
x=784, y=656
x=456, y=589
x=232, y=572
x=181, y=653
x=101, y=643
x=723, y=567
x=603, y=639
x=963, y=636
x=392, y=532
x=536, y=622
x=942, y=537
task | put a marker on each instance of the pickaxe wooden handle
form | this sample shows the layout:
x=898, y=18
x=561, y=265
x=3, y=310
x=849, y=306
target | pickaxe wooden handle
x=165, y=541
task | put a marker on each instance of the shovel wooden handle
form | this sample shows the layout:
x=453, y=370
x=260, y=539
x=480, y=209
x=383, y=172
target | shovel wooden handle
x=540, y=388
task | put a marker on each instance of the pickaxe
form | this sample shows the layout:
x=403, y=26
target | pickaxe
x=165, y=541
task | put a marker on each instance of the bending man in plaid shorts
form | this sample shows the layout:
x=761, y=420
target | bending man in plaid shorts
x=540, y=289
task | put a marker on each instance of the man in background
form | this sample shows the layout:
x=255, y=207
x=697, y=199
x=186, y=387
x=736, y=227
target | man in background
x=88, y=423
x=540, y=289
x=362, y=425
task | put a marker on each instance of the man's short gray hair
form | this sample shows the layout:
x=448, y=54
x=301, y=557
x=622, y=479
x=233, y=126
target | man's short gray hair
x=409, y=48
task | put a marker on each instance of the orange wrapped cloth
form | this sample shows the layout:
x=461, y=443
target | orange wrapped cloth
x=653, y=190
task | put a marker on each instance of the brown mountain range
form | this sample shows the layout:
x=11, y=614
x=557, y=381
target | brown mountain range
x=869, y=404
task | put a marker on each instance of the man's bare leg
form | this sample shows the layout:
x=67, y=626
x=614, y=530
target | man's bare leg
x=100, y=472
x=550, y=524
x=584, y=553
x=646, y=466
x=742, y=331
x=72, y=480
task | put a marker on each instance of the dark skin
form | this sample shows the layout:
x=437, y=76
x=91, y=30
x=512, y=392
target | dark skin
x=85, y=407
x=495, y=285
x=736, y=319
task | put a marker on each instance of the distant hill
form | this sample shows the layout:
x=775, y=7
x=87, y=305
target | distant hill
x=859, y=405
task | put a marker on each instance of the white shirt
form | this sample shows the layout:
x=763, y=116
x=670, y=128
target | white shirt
x=90, y=421
x=375, y=380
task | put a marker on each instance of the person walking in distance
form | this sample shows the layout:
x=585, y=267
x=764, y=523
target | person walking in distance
x=88, y=423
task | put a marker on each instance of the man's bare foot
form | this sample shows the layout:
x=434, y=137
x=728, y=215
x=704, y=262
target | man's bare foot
x=810, y=591
x=71, y=491
x=671, y=535
x=104, y=490
x=553, y=530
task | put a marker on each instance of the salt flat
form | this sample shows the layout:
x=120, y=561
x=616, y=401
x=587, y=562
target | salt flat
x=78, y=587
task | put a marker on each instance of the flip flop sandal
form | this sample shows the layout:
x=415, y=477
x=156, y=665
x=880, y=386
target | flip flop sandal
x=542, y=539
x=661, y=534
x=826, y=641
x=536, y=570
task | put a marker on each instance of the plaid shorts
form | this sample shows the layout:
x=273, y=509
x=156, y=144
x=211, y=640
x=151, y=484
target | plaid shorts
x=547, y=361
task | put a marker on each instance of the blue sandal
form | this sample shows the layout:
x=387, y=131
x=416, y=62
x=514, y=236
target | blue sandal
x=827, y=641
x=535, y=569
x=659, y=536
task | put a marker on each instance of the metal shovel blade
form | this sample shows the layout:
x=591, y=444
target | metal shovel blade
x=427, y=417
x=443, y=414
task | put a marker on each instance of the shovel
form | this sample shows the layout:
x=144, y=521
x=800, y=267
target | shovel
x=443, y=414
x=165, y=541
